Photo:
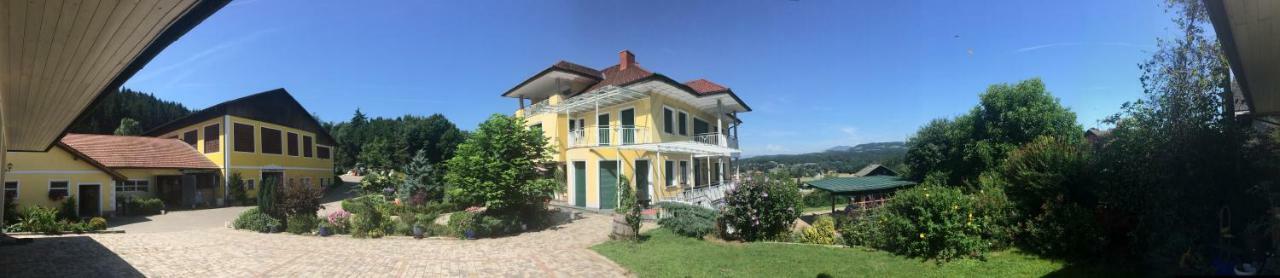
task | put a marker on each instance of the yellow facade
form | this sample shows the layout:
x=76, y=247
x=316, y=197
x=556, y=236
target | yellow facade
x=296, y=169
x=649, y=121
x=35, y=172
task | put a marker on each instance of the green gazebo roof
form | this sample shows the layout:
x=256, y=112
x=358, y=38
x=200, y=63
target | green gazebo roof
x=852, y=185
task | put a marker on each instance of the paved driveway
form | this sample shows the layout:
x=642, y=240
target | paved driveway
x=557, y=252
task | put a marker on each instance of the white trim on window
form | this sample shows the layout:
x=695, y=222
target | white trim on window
x=682, y=130
x=49, y=186
x=17, y=189
x=133, y=185
x=673, y=124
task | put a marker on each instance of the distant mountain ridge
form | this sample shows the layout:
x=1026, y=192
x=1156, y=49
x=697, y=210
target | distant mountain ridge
x=845, y=159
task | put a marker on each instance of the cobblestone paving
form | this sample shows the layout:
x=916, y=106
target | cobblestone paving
x=221, y=252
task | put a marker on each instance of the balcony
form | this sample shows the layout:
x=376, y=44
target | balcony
x=717, y=139
x=710, y=196
x=608, y=136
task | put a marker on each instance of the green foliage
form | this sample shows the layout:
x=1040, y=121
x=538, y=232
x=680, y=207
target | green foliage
x=269, y=197
x=864, y=231
x=97, y=224
x=687, y=220
x=38, y=219
x=69, y=210
x=378, y=180
x=1007, y=116
x=254, y=219
x=1063, y=229
x=301, y=224
x=10, y=209
x=128, y=126
x=628, y=207
x=762, y=208
x=368, y=214
x=932, y=222
x=398, y=138
x=823, y=231
x=236, y=189
x=995, y=215
x=148, y=111
x=142, y=206
x=423, y=182
x=301, y=200
x=1041, y=170
x=817, y=198
x=462, y=224
x=496, y=167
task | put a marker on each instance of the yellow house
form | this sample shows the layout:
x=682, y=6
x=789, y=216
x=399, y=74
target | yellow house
x=260, y=136
x=101, y=171
x=672, y=141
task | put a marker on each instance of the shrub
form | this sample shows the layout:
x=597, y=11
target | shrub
x=497, y=166
x=823, y=231
x=425, y=219
x=144, y=206
x=688, y=220
x=629, y=209
x=255, y=220
x=863, y=231
x=98, y=224
x=462, y=224
x=994, y=213
x=493, y=224
x=338, y=220
x=366, y=222
x=1062, y=229
x=10, y=208
x=301, y=224
x=301, y=200
x=38, y=219
x=69, y=211
x=236, y=190
x=377, y=181
x=268, y=197
x=761, y=209
x=932, y=222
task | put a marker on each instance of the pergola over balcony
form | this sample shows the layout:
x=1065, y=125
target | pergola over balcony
x=589, y=101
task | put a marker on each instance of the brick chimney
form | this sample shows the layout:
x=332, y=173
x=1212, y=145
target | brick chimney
x=625, y=59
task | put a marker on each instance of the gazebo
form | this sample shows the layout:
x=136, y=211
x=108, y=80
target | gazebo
x=868, y=191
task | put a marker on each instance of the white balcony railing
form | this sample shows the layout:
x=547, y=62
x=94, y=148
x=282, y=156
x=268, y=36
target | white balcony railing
x=608, y=136
x=709, y=196
x=716, y=138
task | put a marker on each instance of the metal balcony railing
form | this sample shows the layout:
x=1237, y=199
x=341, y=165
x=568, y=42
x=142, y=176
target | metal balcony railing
x=608, y=136
x=716, y=138
x=709, y=196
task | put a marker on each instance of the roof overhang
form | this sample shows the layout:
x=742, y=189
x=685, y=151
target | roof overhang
x=551, y=81
x=59, y=58
x=689, y=147
x=1250, y=35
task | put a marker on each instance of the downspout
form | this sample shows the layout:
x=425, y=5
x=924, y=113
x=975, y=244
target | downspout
x=226, y=159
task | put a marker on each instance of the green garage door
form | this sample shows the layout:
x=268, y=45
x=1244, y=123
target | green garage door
x=580, y=183
x=608, y=184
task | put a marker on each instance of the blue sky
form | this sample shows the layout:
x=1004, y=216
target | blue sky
x=817, y=73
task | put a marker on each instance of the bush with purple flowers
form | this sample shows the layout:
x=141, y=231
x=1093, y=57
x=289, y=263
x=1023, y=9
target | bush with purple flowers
x=761, y=208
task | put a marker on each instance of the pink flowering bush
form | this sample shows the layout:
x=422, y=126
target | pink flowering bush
x=338, y=220
x=761, y=209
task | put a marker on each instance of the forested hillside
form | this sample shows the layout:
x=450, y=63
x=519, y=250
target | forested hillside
x=144, y=108
x=841, y=159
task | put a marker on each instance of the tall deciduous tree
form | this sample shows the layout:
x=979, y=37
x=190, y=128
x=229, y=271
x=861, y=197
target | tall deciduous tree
x=497, y=166
x=1007, y=116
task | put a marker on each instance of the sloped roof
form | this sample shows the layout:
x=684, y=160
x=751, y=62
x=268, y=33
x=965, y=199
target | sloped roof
x=275, y=106
x=869, y=169
x=703, y=86
x=851, y=185
x=137, y=152
x=620, y=77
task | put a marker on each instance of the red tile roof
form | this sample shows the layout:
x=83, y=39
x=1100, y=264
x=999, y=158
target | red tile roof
x=579, y=69
x=614, y=76
x=703, y=86
x=138, y=152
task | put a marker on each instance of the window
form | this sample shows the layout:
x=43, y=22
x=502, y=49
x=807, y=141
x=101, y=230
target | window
x=306, y=146
x=684, y=119
x=306, y=181
x=211, y=138
x=58, y=189
x=322, y=152
x=191, y=138
x=671, y=173
x=243, y=137
x=133, y=186
x=248, y=184
x=667, y=121
x=293, y=143
x=10, y=192
x=684, y=172
x=270, y=141
x=537, y=127
x=602, y=124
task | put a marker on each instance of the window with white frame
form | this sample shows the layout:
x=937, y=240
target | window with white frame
x=133, y=186
x=248, y=184
x=684, y=126
x=10, y=191
x=668, y=121
x=59, y=189
x=684, y=172
x=306, y=181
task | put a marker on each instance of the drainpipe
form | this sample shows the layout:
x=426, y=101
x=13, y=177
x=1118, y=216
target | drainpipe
x=226, y=159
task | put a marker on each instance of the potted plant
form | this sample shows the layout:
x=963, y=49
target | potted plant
x=324, y=229
x=417, y=230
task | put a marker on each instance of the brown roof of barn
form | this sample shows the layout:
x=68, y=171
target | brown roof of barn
x=137, y=152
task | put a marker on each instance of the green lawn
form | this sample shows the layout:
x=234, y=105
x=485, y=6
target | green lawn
x=665, y=254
